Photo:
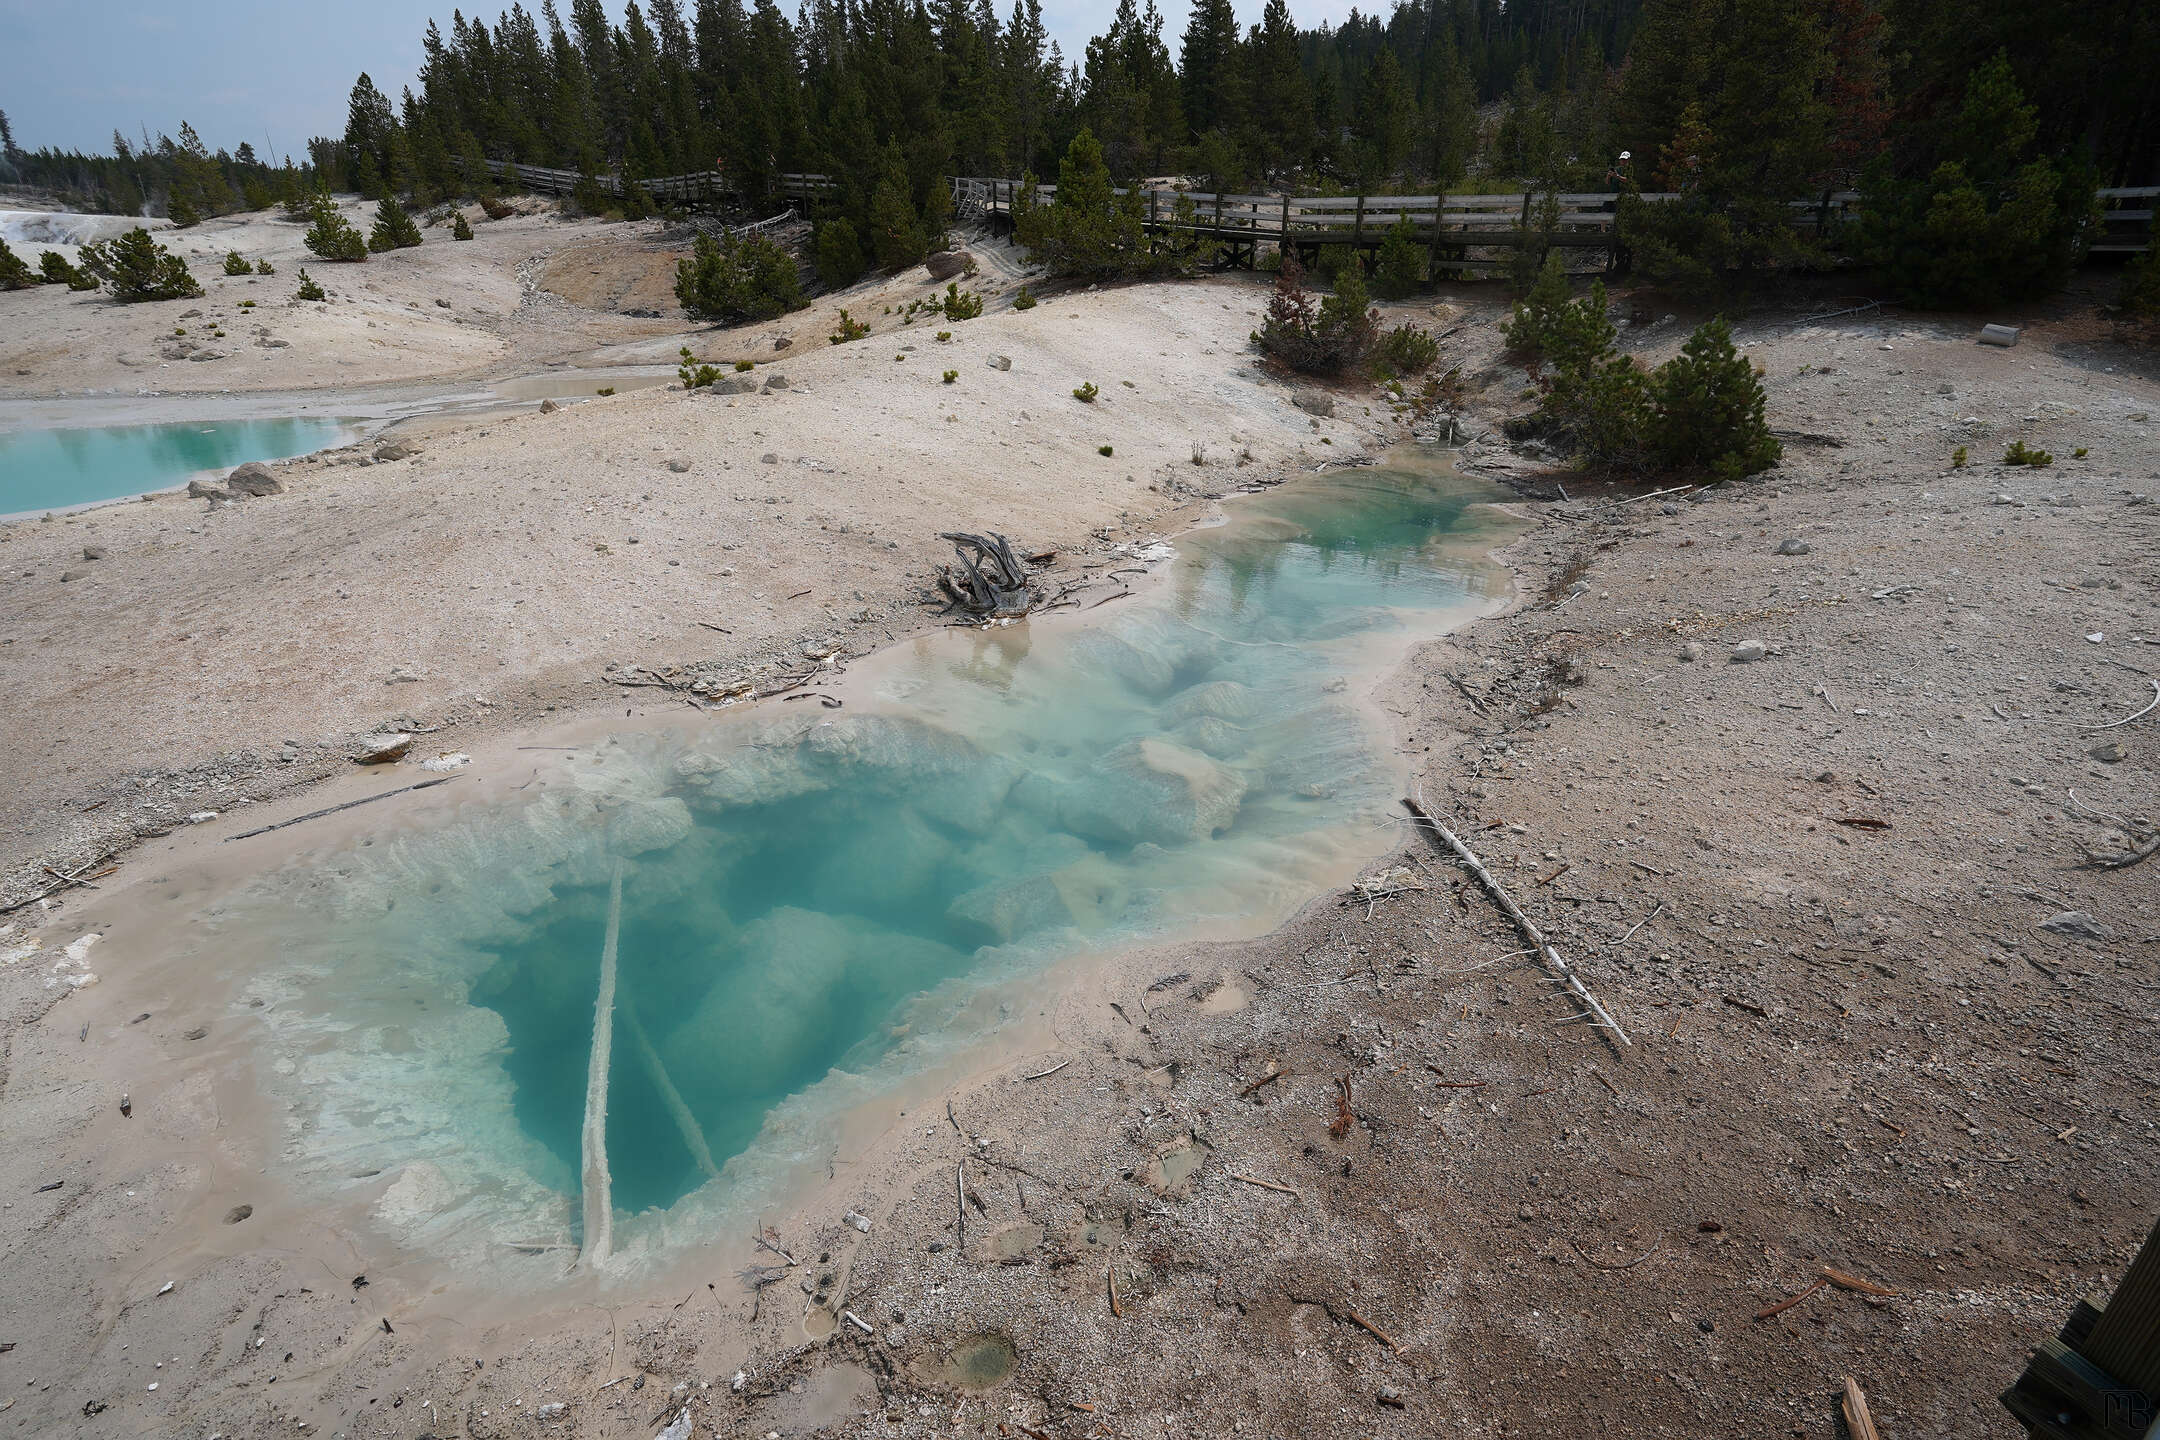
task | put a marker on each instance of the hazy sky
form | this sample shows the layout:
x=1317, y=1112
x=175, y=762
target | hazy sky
x=275, y=73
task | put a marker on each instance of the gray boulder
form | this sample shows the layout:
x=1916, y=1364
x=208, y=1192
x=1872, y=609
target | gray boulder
x=947, y=263
x=207, y=490
x=254, y=478
x=1312, y=402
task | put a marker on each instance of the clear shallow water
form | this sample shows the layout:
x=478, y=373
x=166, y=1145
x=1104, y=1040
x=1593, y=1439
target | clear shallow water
x=54, y=469
x=817, y=903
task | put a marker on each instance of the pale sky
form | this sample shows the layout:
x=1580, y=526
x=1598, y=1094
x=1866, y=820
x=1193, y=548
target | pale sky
x=274, y=74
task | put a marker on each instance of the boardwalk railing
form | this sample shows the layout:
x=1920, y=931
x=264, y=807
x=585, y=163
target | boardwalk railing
x=1448, y=226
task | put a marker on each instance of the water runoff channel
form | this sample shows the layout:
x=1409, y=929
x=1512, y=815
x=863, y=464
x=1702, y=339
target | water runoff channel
x=625, y=1008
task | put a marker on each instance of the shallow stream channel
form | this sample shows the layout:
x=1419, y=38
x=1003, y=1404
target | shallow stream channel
x=635, y=1000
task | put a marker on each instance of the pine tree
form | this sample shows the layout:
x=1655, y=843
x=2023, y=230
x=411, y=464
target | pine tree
x=182, y=214
x=895, y=233
x=1401, y=265
x=331, y=235
x=460, y=227
x=57, y=271
x=236, y=264
x=308, y=290
x=394, y=229
x=839, y=254
x=1710, y=408
x=15, y=272
x=135, y=267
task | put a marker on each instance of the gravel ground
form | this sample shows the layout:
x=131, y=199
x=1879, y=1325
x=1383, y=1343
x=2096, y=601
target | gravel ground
x=1872, y=1047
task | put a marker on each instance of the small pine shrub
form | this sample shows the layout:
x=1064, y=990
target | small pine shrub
x=1540, y=314
x=331, y=235
x=460, y=227
x=737, y=278
x=135, y=267
x=236, y=264
x=1317, y=339
x=693, y=375
x=495, y=209
x=744, y=365
x=394, y=229
x=1022, y=300
x=1400, y=269
x=850, y=328
x=605, y=390
x=1406, y=350
x=1960, y=458
x=247, y=304
x=1710, y=407
x=2020, y=453
x=2078, y=454
x=56, y=271
x=958, y=306
x=264, y=267
x=308, y=290
x=1086, y=393
x=1102, y=450
x=952, y=377
x=943, y=336
x=15, y=272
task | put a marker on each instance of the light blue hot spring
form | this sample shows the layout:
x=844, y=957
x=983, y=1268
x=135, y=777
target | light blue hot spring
x=58, y=469
x=816, y=903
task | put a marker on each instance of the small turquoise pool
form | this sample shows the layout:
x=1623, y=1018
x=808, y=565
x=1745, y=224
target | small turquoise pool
x=60, y=469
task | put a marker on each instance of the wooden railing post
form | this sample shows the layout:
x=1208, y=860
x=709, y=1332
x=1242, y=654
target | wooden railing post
x=1432, y=252
x=2100, y=1378
x=1357, y=229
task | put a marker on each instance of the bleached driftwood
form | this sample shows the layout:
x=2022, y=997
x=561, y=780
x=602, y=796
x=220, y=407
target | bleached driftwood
x=599, y=1235
x=678, y=1109
x=1562, y=970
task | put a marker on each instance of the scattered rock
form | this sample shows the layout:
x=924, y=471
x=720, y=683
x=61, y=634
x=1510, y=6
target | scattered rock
x=1793, y=545
x=67, y=575
x=206, y=354
x=442, y=302
x=1749, y=651
x=857, y=1221
x=999, y=362
x=769, y=458
x=93, y=552
x=782, y=343
x=253, y=478
x=549, y=407
x=395, y=450
x=948, y=263
x=775, y=381
x=2110, y=753
x=1691, y=651
x=680, y=467
x=1312, y=402
x=2078, y=923
x=238, y=1213
x=382, y=749
x=1668, y=508
x=554, y=1409
x=2004, y=335
x=207, y=490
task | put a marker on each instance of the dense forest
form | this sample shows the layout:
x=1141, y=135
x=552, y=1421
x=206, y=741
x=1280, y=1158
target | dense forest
x=1983, y=124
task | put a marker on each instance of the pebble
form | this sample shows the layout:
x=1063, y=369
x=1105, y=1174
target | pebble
x=1793, y=545
x=680, y=467
x=93, y=552
x=1748, y=651
x=1691, y=651
x=1668, y=508
x=2111, y=753
x=769, y=458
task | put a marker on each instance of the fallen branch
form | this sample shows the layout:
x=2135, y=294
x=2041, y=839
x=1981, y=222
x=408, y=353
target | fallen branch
x=1051, y=1071
x=1642, y=922
x=2112, y=724
x=332, y=810
x=1268, y=1079
x=1857, y=1419
x=1263, y=1184
x=1522, y=922
x=1782, y=1306
x=1373, y=1330
x=1854, y=1283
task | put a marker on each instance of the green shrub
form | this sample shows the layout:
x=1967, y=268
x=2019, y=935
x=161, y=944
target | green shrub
x=182, y=212
x=264, y=267
x=460, y=227
x=1022, y=300
x=1317, y=339
x=605, y=390
x=308, y=290
x=952, y=377
x=839, y=254
x=247, y=304
x=394, y=229
x=1406, y=350
x=745, y=365
x=1537, y=316
x=331, y=236
x=2020, y=453
x=961, y=307
x=1102, y=450
x=2079, y=453
x=53, y=266
x=1400, y=269
x=495, y=209
x=236, y=264
x=1087, y=228
x=135, y=267
x=943, y=336
x=1710, y=408
x=737, y=278
x=15, y=272
x=693, y=375
x=1959, y=458
x=1086, y=393
x=850, y=329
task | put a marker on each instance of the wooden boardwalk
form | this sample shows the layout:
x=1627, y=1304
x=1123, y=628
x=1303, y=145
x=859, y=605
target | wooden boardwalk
x=1450, y=227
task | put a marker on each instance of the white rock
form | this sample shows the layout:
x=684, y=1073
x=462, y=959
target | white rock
x=1748, y=651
